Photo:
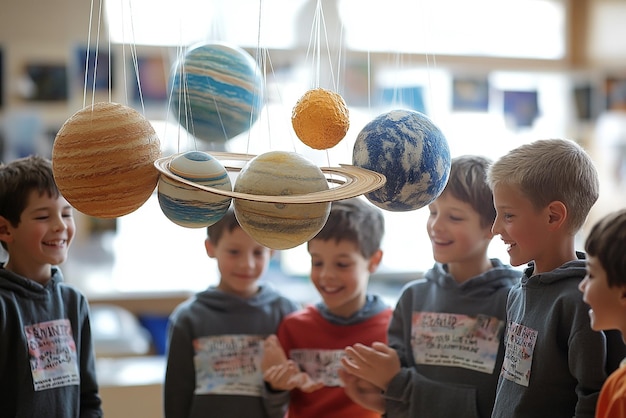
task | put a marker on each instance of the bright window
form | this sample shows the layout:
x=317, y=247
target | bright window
x=493, y=28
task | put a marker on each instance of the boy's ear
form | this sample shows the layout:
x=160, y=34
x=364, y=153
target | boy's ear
x=375, y=260
x=489, y=232
x=557, y=214
x=210, y=248
x=5, y=230
x=622, y=295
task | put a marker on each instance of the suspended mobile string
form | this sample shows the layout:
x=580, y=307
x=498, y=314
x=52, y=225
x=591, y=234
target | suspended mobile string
x=280, y=198
x=107, y=159
x=103, y=155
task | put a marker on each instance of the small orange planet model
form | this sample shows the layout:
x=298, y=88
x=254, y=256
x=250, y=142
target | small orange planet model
x=320, y=118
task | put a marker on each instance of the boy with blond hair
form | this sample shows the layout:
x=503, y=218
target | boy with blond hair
x=604, y=289
x=554, y=363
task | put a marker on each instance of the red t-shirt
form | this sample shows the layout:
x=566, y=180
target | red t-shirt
x=317, y=346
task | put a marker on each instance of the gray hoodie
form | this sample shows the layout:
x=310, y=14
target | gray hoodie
x=555, y=363
x=214, y=353
x=449, y=339
x=47, y=365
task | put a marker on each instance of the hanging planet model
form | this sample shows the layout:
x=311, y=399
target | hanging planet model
x=411, y=152
x=320, y=118
x=103, y=160
x=217, y=91
x=189, y=206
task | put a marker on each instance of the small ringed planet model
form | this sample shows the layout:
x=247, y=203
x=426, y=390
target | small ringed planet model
x=411, y=152
x=186, y=205
x=343, y=182
x=280, y=173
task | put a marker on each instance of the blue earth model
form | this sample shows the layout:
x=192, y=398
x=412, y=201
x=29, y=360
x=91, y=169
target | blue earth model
x=411, y=152
x=220, y=93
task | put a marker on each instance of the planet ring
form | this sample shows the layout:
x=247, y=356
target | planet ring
x=355, y=181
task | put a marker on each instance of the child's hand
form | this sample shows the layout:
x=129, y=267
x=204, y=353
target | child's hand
x=273, y=353
x=377, y=364
x=362, y=392
x=287, y=376
x=305, y=383
x=282, y=376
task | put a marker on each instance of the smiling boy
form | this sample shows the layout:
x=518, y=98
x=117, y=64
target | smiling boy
x=555, y=364
x=604, y=289
x=47, y=365
x=343, y=255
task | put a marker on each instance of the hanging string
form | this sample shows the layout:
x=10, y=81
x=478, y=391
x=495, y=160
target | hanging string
x=87, y=55
x=133, y=55
x=258, y=56
x=123, y=19
x=426, y=17
x=110, y=68
x=369, y=81
x=96, y=52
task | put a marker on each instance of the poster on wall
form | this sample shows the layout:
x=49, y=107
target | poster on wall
x=521, y=107
x=43, y=82
x=93, y=68
x=149, y=80
x=407, y=97
x=585, y=102
x=615, y=92
x=470, y=94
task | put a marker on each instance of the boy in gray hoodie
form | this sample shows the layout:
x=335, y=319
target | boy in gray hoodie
x=446, y=334
x=47, y=364
x=215, y=339
x=555, y=364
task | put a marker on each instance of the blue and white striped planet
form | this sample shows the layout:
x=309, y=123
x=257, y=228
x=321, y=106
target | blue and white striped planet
x=190, y=206
x=412, y=153
x=217, y=91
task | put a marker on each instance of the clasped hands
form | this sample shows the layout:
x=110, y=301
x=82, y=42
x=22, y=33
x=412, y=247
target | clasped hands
x=282, y=373
x=366, y=372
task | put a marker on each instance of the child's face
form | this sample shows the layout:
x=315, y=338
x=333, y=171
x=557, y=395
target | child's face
x=42, y=238
x=608, y=304
x=340, y=274
x=455, y=232
x=520, y=225
x=241, y=262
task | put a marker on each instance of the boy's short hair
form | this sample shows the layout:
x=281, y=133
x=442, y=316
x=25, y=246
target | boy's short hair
x=227, y=223
x=468, y=183
x=550, y=170
x=357, y=221
x=606, y=241
x=18, y=179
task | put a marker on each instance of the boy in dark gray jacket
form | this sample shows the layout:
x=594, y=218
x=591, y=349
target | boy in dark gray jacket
x=215, y=343
x=554, y=364
x=446, y=335
x=47, y=365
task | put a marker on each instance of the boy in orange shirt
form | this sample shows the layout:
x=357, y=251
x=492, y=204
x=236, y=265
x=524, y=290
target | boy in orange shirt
x=604, y=289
